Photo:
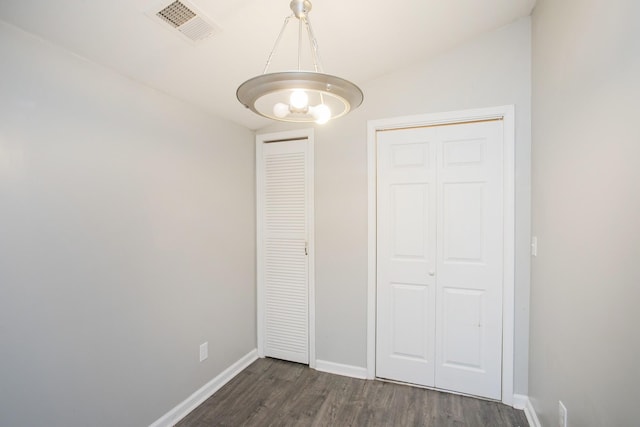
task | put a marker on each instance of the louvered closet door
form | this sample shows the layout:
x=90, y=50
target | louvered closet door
x=284, y=263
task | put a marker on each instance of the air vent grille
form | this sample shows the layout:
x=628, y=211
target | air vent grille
x=176, y=14
x=196, y=29
x=186, y=18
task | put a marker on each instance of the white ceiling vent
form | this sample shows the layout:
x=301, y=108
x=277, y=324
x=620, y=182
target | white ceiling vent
x=184, y=17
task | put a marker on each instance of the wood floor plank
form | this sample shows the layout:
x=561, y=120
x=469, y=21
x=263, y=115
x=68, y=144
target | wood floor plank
x=272, y=392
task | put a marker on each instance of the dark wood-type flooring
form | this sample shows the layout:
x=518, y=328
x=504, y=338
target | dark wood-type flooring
x=276, y=393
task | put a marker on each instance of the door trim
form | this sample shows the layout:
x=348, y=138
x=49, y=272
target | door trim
x=260, y=140
x=507, y=114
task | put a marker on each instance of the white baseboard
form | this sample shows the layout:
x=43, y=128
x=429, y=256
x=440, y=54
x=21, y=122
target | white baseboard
x=521, y=401
x=192, y=402
x=340, y=369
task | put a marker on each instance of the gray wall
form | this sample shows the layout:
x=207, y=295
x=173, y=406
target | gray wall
x=493, y=70
x=127, y=238
x=585, y=288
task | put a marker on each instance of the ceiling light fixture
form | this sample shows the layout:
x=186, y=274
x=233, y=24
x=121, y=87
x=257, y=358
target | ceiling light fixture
x=299, y=96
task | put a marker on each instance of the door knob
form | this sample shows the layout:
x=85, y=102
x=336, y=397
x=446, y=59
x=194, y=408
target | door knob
x=432, y=273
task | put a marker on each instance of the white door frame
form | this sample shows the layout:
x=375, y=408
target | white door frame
x=260, y=140
x=507, y=114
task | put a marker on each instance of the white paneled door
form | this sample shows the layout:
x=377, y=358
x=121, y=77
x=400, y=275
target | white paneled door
x=283, y=236
x=440, y=255
x=406, y=255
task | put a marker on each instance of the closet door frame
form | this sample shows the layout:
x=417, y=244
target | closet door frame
x=261, y=139
x=507, y=114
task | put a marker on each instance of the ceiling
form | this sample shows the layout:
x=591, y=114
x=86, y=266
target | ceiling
x=358, y=40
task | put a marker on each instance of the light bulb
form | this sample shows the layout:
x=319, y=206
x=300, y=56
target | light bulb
x=321, y=113
x=280, y=110
x=299, y=99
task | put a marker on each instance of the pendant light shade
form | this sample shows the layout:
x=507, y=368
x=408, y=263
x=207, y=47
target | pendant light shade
x=299, y=96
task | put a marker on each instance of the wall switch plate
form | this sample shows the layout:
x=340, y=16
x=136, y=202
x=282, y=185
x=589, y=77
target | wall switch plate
x=562, y=414
x=534, y=246
x=204, y=351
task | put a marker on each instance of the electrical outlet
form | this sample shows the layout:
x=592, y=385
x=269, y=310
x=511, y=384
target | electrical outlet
x=534, y=246
x=204, y=351
x=562, y=414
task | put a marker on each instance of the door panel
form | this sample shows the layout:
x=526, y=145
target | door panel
x=284, y=201
x=469, y=267
x=411, y=327
x=406, y=255
x=439, y=284
x=463, y=233
x=462, y=317
x=409, y=203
